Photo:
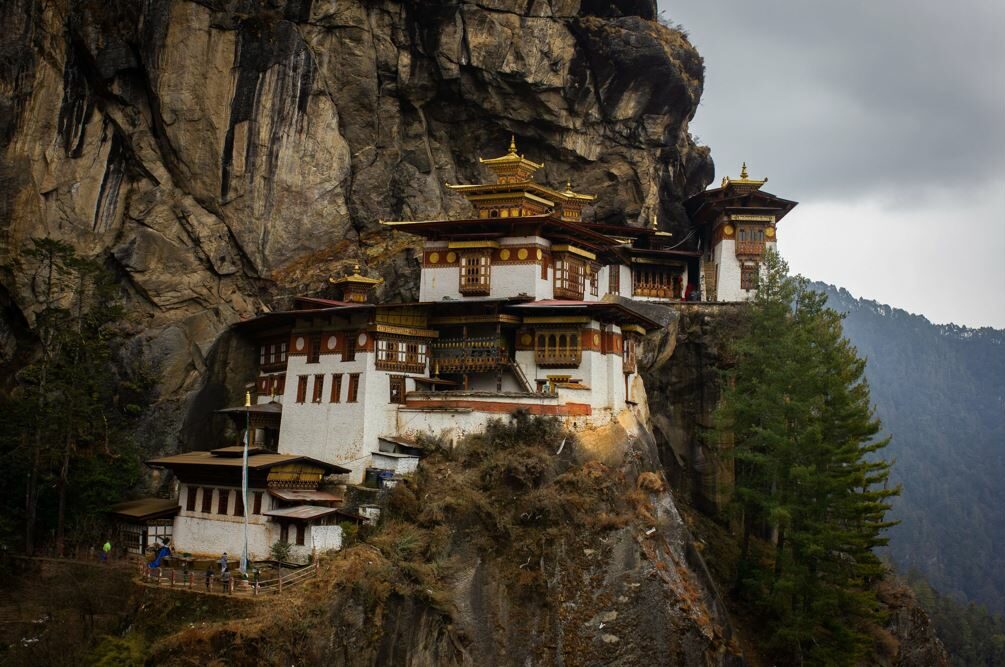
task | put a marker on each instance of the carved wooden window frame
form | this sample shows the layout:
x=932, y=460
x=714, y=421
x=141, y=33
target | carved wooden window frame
x=570, y=277
x=301, y=389
x=558, y=348
x=401, y=354
x=396, y=389
x=749, y=276
x=475, y=273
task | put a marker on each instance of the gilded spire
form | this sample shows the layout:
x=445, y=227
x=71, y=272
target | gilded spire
x=511, y=168
x=744, y=180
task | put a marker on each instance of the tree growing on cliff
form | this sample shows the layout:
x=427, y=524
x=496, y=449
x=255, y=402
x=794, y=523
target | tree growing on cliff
x=807, y=476
x=65, y=444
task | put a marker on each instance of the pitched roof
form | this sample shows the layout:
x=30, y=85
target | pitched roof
x=143, y=509
x=302, y=512
x=255, y=461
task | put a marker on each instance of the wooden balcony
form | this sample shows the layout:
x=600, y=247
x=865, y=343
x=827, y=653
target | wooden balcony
x=749, y=248
x=468, y=355
x=568, y=293
x=558, y=358
x=396, y=366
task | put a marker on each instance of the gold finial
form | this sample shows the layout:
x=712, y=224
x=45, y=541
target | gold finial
x=654, y=223
x=355, y=268
x=743, y=171
x=247, y=399
x=512, y=144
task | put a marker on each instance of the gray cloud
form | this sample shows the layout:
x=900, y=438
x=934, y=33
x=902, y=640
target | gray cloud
x=886, y=119
x=837, y=99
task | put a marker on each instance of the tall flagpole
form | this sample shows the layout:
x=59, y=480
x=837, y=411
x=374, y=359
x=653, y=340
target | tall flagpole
x=244, y=479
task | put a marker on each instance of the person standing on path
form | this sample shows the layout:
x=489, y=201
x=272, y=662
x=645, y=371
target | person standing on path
x=105, y=550
x=223, y=562
x=225, y=581
x=209, y=577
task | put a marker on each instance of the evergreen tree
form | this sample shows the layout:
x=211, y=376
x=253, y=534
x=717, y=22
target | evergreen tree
x=66, y=440
x=807, y=477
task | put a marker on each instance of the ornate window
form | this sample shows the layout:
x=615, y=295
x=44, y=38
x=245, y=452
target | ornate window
x=750, y=240
x=594, y=272
x=570, y=278
x=476, y=273
x=656, y=282
x=353, y=388
x=397, y=389
x=749, y=274
x=558, y=348
x=401, y=354
x=272, y=355
x=614, y=279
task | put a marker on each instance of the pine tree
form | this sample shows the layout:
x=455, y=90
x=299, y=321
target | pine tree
x=807, y=473
x=68, y=418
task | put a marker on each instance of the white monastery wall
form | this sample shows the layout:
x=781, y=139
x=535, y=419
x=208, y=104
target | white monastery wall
x=204, y=535
x=324, y=538
x=728, y=288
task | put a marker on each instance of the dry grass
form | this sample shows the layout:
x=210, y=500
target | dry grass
x=505, y=496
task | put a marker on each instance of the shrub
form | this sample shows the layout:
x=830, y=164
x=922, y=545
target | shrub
x=280, y=551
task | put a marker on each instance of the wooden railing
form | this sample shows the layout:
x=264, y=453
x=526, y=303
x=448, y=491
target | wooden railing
x=569, y=293
x=464, y=355
x=196, y=581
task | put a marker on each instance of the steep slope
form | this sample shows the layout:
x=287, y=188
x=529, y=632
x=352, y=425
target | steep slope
x=940, y=391
x=526, y=545
x=221, y=152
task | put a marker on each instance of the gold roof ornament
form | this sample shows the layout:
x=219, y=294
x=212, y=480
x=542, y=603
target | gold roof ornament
x=744, y=180
x=512, y=167
x=355, y=278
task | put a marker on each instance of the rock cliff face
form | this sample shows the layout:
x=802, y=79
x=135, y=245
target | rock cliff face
x=221, y=153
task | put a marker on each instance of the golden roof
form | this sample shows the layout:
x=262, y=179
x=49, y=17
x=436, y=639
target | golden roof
x=744, y=180
x=511, y=159
x=356, y=278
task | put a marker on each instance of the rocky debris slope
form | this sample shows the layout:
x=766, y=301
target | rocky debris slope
x=222, y=153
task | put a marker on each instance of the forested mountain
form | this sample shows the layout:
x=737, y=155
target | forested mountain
x=939, y=390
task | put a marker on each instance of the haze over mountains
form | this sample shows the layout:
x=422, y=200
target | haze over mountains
x=940, y=391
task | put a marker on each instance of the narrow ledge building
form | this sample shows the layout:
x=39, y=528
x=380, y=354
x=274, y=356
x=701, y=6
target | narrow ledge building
x=522, y=306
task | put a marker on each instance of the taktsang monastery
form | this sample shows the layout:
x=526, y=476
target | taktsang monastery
x=518, y=309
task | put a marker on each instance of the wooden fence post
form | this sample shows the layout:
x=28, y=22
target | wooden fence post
x=172, y=578
x=280, y=578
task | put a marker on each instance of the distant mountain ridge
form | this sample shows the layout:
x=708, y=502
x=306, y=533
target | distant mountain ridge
x=940, y=391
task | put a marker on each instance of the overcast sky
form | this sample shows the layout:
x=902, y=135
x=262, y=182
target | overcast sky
x=885, y=119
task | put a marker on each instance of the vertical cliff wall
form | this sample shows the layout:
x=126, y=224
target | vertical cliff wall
x=219, y=153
